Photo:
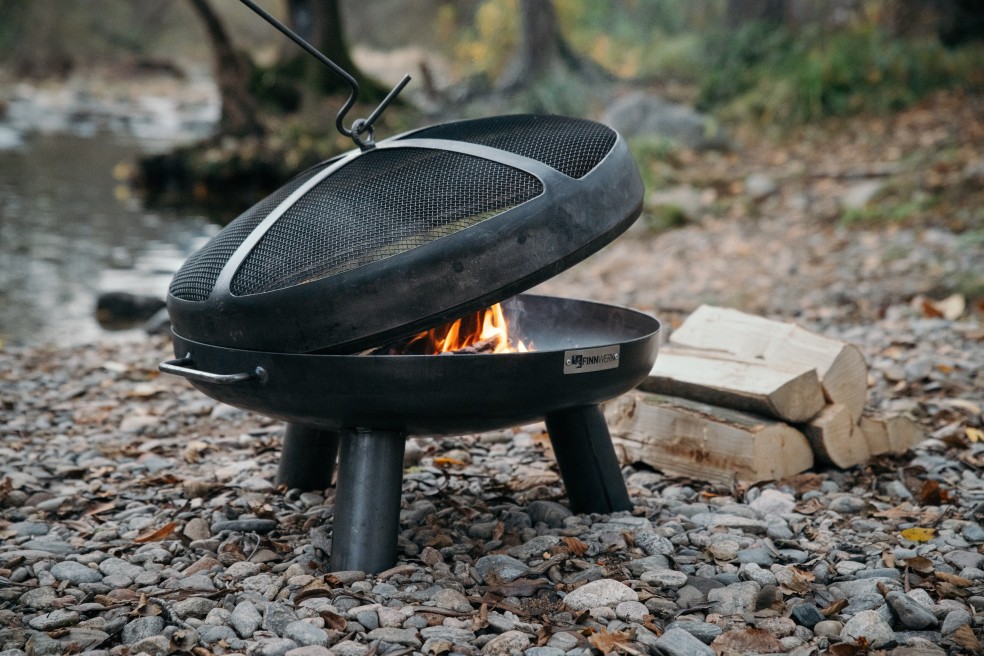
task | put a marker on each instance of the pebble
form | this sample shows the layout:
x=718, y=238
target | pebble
x=870, y=625
x=603, y=592
x=677, y=642
x=245, y=568
x=76, y=573
x=909, y=611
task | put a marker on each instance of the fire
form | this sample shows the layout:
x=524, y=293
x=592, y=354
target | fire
x=485, y=331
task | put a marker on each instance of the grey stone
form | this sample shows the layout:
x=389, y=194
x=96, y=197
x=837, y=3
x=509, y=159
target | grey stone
x=962, y=559
x=142, y=627
x=29, y=529
x=703, y=631
x=407, y=637
x=757, y=555
x=56, y=619
x=631, y=611
x=653, y=544
x=156, y=645
x=849, y=589
x=349, y=648
x=758, y=187
x=368, y=619
x=550, y=513
x=954, y=620
x=450, y=634
x=246, y=619
x=870, y=625
x=806, y=615
x=245, y=525
x=639, y=565
x=276, y=617
x=500, y=568
x=506, y=644
x=603, y=592
x=910, y=612
x=194, y=607
x=886, y=572
x=535, y=548
x=711, y=520
x=677, y=642
x=664, y=578
x=273, y=647
x=642, y=114
x=563, y=640
x=860, y=194
x=305, y=633
x=973, y=532
x=734, y=599
x=451, y=599
x=847, y=504
x=309, y=650
x=76, y=573
x=543, y=651
x=211, y=633
x=828, y=629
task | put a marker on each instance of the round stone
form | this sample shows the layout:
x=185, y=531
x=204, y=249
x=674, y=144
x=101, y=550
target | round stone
x=870, y=625
x=77, y=573
x=305, y=633
x=603, y=592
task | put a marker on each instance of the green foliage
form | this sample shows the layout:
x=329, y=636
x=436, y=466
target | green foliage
x=766, y=72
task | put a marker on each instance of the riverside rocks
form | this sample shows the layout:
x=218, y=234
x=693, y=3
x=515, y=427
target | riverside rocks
x=162, y=535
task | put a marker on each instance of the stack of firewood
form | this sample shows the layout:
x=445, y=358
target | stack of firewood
x=736, y=396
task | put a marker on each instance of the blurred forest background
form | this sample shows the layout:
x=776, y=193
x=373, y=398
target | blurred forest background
x=772, y=64
x=840, y=116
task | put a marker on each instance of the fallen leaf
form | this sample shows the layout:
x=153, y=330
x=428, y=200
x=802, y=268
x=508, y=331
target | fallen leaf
x=438, y=647
x=918, y=534
x=607, y=641
x=931, y=494
x=99, y=508
x=313, y=590
x=834, y=608
x=952, y=307
x=954, y=579
x=974, y=434
x=747, y=641
x=809, y=507
x=799, y=583
x=499, y=530
x=157, y=535
x=900, y=511
x=194, y=451
x=842, y=649
x=575, y=546
x=332, y=620
x=444, y=463
x=519, y=587
x=920, y=564
x=964, y=637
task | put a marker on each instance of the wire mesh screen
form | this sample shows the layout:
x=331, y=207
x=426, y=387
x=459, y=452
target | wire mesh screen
x=570, y=145
x=196, y=278
x=384, y=203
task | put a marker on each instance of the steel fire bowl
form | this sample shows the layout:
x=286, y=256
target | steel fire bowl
x=585, y=353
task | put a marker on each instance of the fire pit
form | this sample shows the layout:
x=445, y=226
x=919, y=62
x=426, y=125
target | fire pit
x=323, y=306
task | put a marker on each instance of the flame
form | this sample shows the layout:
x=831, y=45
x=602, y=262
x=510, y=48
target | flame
x=487, y=330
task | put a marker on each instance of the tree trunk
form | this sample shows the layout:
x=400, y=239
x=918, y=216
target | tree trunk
x=240, y=116
x=319, y=22
x=542, y=48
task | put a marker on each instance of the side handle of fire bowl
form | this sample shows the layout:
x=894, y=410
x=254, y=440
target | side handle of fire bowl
x=587, y=461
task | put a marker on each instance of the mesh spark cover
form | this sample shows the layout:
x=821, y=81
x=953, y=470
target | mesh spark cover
x=196, y=277
x=570, y=145
x=383, y=203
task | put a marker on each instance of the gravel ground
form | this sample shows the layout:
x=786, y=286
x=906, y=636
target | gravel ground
x=138, y=516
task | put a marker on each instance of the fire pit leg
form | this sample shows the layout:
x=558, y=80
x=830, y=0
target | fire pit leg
x=587, y=461
x=367, y=501
x=307, y=459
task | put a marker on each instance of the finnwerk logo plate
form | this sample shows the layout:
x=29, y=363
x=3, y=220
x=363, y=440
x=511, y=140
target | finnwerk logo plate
x=582, y=361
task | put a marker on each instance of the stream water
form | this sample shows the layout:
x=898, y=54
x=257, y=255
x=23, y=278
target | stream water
x=69, y=231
